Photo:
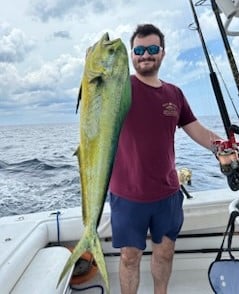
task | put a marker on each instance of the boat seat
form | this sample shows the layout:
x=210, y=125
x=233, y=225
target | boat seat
x=42, y=274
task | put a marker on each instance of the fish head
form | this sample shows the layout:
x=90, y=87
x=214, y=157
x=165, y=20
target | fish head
x=104, y=57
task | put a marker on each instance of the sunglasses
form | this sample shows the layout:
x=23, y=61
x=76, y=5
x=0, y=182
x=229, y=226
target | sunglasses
x=152, y=49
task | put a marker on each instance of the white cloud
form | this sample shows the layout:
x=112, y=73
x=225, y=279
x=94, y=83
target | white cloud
x=46, y=10
x=8, y=80
x=42, y=77
x=51, y=87
x=14, y=44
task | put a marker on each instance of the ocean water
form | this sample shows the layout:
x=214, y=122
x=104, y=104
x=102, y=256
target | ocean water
x=38, y=171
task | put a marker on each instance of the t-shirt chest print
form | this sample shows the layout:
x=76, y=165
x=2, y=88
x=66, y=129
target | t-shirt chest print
x=170, y=109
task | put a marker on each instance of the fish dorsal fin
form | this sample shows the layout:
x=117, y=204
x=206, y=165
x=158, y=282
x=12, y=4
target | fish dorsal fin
x=79, y=98
x=93, y=78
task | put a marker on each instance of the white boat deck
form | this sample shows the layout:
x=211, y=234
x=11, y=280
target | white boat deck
x=206, y=216
x=193, y=280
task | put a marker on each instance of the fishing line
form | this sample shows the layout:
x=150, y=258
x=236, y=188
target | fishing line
x=226, y=88
x=228, y=50
x=214, y=121
x=229, y=165
x=213, y=77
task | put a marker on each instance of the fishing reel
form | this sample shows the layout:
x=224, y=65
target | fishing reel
x=227, y=153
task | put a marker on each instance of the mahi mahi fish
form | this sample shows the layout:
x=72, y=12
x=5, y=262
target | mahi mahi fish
x=105, y=95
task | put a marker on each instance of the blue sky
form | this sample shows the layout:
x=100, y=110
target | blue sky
x=43, y=44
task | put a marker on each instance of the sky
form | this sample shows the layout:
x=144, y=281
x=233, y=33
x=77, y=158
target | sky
x=43, y=44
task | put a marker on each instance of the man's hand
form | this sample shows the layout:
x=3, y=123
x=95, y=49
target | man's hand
x=227, y=155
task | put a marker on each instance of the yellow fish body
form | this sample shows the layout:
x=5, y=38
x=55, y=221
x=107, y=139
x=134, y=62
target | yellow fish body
x=105, y=100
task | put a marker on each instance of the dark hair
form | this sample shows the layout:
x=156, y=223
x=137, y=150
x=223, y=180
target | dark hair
x=146, y=30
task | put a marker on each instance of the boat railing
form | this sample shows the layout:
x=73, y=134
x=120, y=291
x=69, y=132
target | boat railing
x=231, y=10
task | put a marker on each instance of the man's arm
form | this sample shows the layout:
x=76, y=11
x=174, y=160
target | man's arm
x=201, y=135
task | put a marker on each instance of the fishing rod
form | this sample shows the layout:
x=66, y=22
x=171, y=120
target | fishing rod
x=226, y=88
x=225, y=151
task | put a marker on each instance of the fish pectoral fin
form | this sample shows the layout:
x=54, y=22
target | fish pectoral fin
x=96, y=77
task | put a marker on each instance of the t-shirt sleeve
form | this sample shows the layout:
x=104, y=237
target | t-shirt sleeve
x=186, y=114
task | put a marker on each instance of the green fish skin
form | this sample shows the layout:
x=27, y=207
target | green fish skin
x=105, y=100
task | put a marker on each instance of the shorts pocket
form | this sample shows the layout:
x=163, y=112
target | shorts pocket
x=113, y=201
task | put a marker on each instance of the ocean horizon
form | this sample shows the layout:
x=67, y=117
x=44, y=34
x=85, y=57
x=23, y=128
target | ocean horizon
x=38, y=171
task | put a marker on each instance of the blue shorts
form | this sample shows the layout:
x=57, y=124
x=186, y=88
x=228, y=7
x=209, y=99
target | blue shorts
x=131, y=220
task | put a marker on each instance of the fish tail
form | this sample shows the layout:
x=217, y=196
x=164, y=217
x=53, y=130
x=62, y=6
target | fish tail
x=98, y=255
x=89, y=242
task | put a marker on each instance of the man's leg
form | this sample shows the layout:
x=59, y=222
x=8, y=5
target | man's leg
x=161, y=264
x=129, y=269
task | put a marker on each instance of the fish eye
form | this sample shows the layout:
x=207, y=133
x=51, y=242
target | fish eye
x=111, y=50
x=96, y=80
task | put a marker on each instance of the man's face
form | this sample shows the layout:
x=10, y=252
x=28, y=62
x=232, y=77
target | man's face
x=147, y=64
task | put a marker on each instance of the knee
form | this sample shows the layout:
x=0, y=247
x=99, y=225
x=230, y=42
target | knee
x=130, y=257
x=160, y=257
x=164, y=251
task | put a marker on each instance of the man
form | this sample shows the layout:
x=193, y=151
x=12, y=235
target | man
x=144, y=188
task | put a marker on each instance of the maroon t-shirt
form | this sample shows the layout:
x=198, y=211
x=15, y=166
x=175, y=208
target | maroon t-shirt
x=144, y=168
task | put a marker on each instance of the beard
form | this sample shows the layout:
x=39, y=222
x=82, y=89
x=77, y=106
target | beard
x=147, y=66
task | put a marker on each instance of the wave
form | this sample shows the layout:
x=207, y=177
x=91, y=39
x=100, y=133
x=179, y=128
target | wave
x=49, y=178
x=3, y=164
x=32, y=165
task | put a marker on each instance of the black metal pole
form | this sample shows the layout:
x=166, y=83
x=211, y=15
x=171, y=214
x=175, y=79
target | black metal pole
x=213, y=78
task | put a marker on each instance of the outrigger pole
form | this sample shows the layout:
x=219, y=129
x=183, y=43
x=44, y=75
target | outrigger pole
x=226, y=43
x=226, y=151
